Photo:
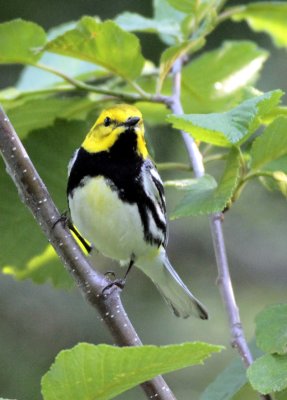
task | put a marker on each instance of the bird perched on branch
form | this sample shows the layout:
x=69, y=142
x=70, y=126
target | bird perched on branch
x=116, y=200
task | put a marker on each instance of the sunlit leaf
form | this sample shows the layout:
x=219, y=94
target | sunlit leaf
x=269, y=17
x=271, y=329
x=217, y=80
x=21, y=42
x=101, y=372
x=231, y=127
x=102, y=43
x=204, y=196
x=268, y=373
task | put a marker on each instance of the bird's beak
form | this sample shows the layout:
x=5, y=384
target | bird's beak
x=132, y=121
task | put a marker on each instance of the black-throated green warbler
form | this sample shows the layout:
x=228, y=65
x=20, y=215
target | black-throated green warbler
x=116, y=200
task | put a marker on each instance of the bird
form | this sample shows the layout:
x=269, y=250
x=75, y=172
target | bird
x=116, y=202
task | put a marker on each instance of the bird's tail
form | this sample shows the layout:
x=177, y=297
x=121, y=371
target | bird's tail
x=173, y=290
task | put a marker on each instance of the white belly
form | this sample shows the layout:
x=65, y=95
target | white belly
x=112, y=226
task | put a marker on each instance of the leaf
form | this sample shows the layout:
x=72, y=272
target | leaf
x=33, y=78
x=231, y=380
x=268, y=373
x=170, y=55
x=204, y=196
x=281, y=395
x=20, y=42
x=231, y=127
x=101, y=372
x=102, y=43
x=42, y=112
x=137, y=23
x=271, y=145
x=269, y=17
x=271, y=329
x=23, y=248
x=217, y=80
x=186, y=6
x=163, y=12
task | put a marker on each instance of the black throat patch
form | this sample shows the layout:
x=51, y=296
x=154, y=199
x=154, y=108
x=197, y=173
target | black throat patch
x=122, y=168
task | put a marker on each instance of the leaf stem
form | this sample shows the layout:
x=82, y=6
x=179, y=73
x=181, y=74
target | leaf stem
x=36, y=197
x=129, y=97
x=238, y=339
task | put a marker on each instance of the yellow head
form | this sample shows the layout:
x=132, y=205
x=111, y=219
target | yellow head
x=112, y=122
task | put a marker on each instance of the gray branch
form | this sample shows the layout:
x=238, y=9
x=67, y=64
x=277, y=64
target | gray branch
x=238, y=339
x=35, y=196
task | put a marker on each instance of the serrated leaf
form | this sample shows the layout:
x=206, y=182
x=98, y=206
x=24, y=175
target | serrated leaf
x=102, y=43
x=231, y=127
x=271, y=329
x=269, y=17
x=217, y=80
x=21, y=42
x=204, y=196
x=170, y=55
x=101, y=372
x=268, y=373
x=271, y=145
x=23, y=248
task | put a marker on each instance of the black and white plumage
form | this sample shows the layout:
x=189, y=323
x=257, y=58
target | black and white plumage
x=116, y=199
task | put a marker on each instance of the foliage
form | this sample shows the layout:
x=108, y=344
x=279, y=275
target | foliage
x=102, y=372
x=83, y=65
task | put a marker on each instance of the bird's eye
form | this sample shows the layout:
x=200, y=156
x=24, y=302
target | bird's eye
x=107, y=121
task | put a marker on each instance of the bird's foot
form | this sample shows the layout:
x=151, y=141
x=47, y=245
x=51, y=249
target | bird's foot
x=120, y=283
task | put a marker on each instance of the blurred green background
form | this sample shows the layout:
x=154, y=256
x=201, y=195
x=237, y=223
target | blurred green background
x=38, y=321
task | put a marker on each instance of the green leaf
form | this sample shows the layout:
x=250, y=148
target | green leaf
x=271, y=329
x=281, y=395
x=33, y=78
x=170, y=55
x=21, y=42
x=101, y=372
x=137, y=23
x=269, y=17
x=268, y=373
x=42, y=112
x=271, y=145
x=231, y=380
x=217, y=80
x=204, y=196
x=186, y=6
x=23, y=250
x=102, y=43
x=231, y=127
x=163, y=13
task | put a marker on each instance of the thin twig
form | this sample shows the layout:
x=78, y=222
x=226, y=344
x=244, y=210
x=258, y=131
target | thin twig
x=35, y=196
x=238, y=339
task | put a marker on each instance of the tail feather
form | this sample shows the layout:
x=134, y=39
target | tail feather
x=173, y=290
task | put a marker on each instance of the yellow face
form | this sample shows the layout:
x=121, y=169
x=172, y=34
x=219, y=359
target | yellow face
x=112, y=122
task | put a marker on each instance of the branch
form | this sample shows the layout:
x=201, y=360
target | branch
x=35, y=196
x=238, y=340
